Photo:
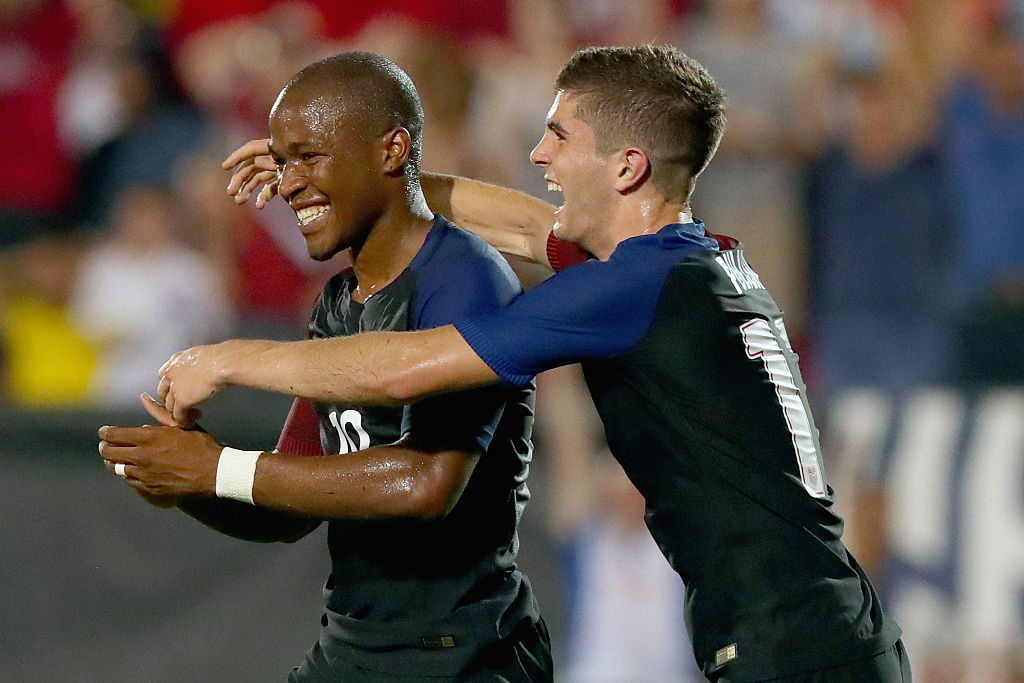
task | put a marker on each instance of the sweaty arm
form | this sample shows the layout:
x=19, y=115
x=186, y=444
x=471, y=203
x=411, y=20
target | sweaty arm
x=514, y=223
x=373, y=368
x=411, y=478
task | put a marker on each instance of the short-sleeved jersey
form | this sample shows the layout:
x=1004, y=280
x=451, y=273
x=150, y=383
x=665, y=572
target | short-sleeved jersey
x=454, y=577
x=687, y=359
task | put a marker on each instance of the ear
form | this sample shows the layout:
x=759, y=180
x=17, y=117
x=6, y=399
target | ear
x=397, y=148
x=634, y=167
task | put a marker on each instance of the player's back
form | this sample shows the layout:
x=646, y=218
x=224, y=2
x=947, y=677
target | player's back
x=707, y=413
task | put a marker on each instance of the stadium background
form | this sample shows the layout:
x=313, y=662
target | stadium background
x=874, y=167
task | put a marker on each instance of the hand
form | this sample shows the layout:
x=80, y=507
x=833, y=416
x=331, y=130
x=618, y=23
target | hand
x=160, y=413
x=187, y=379
x=162, y=463
x=164, y=417
x=253, y=166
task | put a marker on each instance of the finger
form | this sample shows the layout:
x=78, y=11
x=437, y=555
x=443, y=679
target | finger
x=121, y=469
x=241, y=176
x=158, y=412
x=255, y=181
x=169, y=401
x=116, y=453
x=167, y=364
x=122, y=436
x=250, y=149
x=182, y=415
x=266, y=194
x=162, y=389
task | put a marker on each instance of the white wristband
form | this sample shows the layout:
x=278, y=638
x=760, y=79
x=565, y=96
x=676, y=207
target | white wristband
x=236, y=472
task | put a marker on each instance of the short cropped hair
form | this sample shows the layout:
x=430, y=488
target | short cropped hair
x=371, y=92
x=654, y=97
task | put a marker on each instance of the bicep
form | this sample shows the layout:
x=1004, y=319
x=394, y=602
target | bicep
x=515, y=223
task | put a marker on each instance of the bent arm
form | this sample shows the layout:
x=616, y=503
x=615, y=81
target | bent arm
x=246, y=522
x=513, y=222
x=383, y=482
x=404, y=479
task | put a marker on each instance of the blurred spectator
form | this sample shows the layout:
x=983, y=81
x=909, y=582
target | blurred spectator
x=623, y=600
x=48, y=363
x=883, y=231
x=751, y=191
x=35, y=46
x=983, y=136
x=141, y=295
x=159, y=129
x=983, y=139
x=515, y=77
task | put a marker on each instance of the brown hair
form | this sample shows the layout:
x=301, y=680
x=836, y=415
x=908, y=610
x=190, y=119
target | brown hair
x=654, y=97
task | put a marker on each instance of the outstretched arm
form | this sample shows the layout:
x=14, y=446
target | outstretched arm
x=515, y=223
x=373, y=368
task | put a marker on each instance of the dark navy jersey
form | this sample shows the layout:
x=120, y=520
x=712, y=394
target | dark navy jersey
x=452, y=580
x=686, y=356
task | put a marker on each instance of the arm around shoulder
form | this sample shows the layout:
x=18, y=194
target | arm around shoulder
x=515, y=223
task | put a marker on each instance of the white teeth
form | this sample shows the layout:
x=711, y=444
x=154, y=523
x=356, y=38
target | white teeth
x=554, y=187
x=309, y=213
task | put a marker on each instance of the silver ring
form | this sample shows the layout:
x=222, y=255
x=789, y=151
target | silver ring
x=119, y=470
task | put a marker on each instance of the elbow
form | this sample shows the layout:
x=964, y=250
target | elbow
x=437, y=488
x=429, y=503
x=399, y=385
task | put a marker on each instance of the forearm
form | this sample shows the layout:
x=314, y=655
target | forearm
x=375, y=368
x=246, y=522
x=513, y=222
x=384, y=482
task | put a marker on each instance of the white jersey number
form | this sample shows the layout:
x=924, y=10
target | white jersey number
x=350, y=430
x=762, y=342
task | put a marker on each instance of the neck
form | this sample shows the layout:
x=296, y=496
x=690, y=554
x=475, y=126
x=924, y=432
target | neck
x=392, y=243
x=639, y=215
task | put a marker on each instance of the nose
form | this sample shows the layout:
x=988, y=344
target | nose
x=539, y=154
x=291, y=181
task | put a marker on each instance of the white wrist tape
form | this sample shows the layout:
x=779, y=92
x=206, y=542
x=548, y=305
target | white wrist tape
x=236, y=472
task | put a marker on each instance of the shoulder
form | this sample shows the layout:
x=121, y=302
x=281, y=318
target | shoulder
x=467, y=252
x=464, y=268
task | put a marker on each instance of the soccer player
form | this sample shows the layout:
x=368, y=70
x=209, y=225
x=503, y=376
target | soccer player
x=685, y=354
x=423, y=501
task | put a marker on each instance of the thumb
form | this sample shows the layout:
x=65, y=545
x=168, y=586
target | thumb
x=158, y=412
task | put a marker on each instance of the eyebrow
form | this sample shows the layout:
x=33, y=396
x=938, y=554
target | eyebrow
x=556, y=127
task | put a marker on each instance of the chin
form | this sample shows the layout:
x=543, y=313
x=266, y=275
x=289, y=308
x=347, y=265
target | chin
x=320, y=255
x=319, y=252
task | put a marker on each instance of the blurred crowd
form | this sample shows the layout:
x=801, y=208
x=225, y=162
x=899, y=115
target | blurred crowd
x=873, y=168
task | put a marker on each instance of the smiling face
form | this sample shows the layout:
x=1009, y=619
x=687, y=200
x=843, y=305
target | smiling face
x=572, y=165
x=328, y=173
